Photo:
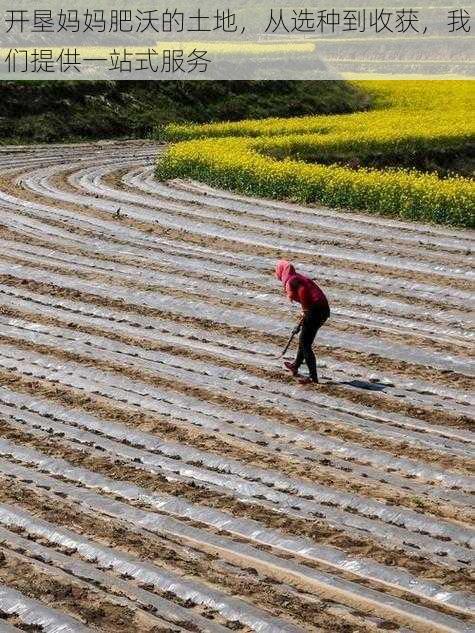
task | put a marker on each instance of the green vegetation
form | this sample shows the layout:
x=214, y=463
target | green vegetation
x=50, y=111
x=332, y=159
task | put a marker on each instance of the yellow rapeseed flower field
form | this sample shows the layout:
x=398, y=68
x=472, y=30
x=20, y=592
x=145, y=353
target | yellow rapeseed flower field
x=325, y=158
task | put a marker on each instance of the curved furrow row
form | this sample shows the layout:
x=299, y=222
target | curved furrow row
x=195, y=339
x=260, y=298
x=329, y=556
x=212, y=376
x=296, y=225
x=192, y=304
x=33, y=614
x=214, y=462
x=140, y=243
x=144, y=181
x=411, y=231
x=248, y=487
x=188, y=268
x=160, y=400
x=254, y=532
x=215, y=418
x=190, y=221
x=104, y=558
x=234, y=551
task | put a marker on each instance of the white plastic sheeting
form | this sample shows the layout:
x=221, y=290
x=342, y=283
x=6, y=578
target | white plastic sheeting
x=254, y=531
x=39, y=182
x=90, y=180
x=254, y=389
x=323, y=583
x=260, y=354
x=148, y=574
x=191, y=207
x=195, y=192
x=33, y=613
x=324, y=218
x=370, y=306
x=214, y=375
x=216, y=262
x=448, y=549
x=443, y=478
x=242, y=319
x=265, y=298
x=190, y=455
x=393, y=515
x=110, y=230
x=165, y=613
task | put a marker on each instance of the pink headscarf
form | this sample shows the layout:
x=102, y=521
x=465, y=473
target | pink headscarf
x=284, y=270
x=292, y=281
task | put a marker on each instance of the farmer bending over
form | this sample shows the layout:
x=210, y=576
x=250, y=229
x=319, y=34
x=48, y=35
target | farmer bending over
x=315, y=311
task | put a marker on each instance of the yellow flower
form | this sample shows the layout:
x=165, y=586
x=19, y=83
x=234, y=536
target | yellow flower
x=298, y=157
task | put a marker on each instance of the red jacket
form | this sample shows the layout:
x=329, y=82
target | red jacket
x=298, y=287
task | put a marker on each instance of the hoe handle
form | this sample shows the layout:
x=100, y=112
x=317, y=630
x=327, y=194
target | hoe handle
x=295, y=331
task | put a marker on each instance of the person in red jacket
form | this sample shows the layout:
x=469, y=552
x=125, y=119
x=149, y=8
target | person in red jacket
x=315, y=311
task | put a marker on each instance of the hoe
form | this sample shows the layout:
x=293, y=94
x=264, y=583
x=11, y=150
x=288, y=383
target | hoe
x=295, y=331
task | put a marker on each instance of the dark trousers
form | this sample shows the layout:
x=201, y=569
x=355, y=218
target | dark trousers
x=312, y=322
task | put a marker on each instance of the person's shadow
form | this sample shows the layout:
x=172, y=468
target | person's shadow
x=361, y=384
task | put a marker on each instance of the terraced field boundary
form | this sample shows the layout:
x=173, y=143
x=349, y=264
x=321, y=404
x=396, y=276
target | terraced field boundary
x=364, y=161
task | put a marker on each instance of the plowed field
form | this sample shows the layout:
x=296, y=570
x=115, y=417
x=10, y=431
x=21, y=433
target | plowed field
x=158, y=469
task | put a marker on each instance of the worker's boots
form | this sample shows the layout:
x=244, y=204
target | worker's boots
x=308, y=380
x=291, y=367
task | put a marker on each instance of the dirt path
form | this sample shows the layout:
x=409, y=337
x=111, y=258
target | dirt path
x=158, y=470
